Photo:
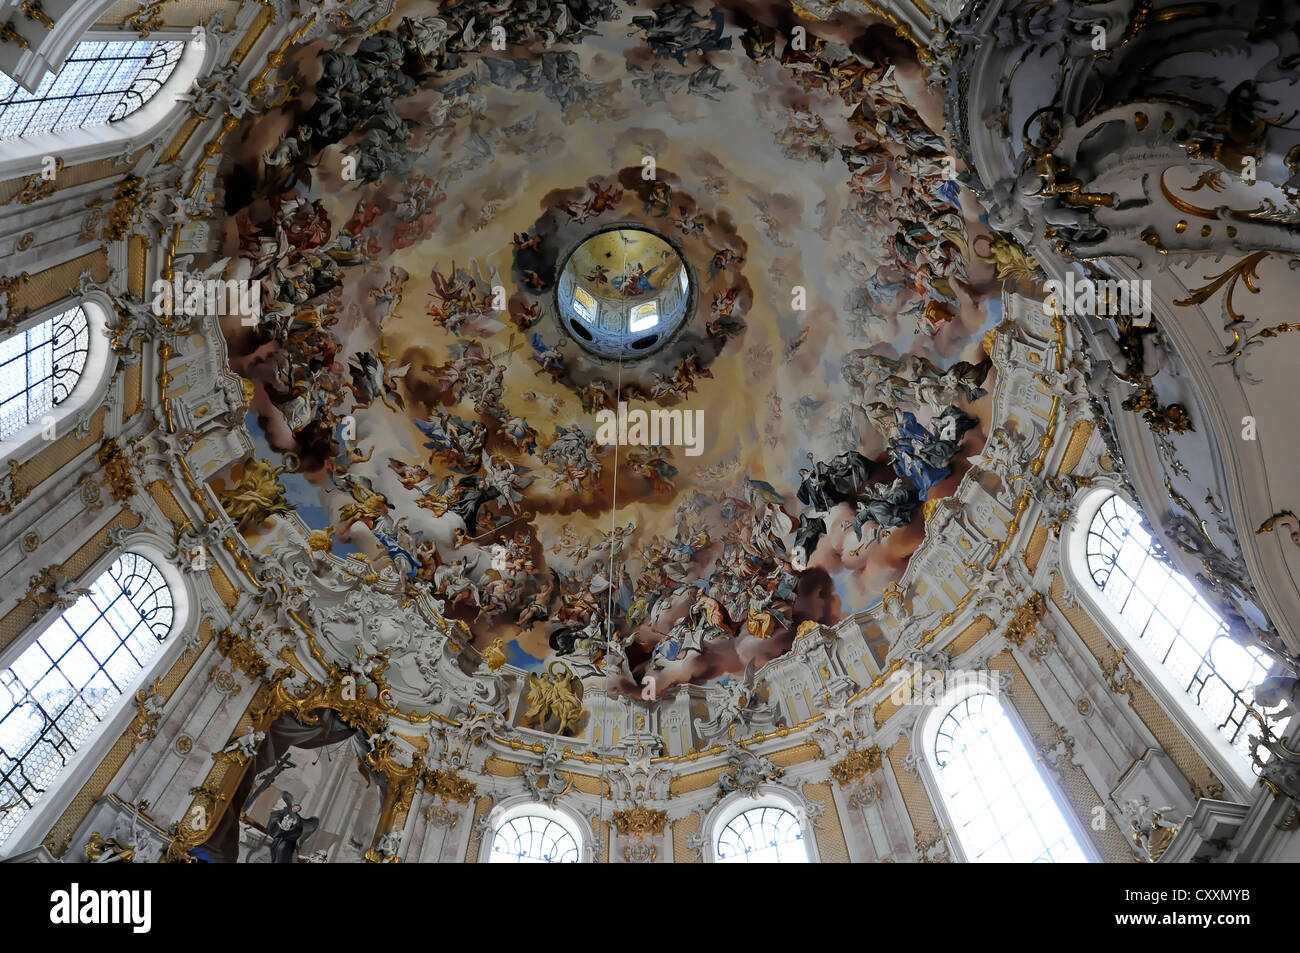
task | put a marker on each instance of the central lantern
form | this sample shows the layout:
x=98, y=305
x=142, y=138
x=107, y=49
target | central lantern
x=623, y=293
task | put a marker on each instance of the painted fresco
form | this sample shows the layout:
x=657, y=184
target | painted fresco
x=407, y=213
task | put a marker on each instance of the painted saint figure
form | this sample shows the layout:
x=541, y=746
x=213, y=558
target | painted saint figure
x=288, y=828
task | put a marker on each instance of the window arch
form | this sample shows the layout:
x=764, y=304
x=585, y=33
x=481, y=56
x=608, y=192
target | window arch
x=644, y=316
x=762, y=835
x=768, y=826
x=1000, y=806
x=40, y=368
x=1183, y=632
x=585, y=305
x=114, y=91
x=101, y=81
x=533, y=834
x=57, y=692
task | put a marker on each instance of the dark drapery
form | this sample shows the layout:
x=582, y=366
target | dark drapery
x=285, y=732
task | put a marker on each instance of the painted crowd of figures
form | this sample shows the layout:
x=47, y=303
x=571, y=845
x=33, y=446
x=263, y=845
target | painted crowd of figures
x=738, y=562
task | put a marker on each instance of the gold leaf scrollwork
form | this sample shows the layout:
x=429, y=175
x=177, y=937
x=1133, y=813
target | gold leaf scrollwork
x=98, y=846
x=640, y=821
x=241, y=653
x=149, y=709
x=1245, y=271
x=1118, y=677
x=38, y=185
x=9, y=34
x=1026, y=619
x=449, y=786
x=857, y=764
x=1012, y=263
x=117, y=470
x=1287, y=520
x=128, y=195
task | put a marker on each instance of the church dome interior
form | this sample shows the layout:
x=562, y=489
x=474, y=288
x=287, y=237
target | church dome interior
x=639, y=431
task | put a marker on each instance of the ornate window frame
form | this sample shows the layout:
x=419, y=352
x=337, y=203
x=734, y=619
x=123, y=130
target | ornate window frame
x=31, y=831
x=91, y=388
x=148, y=124
x=1233, y=770
x=767, y=795
x=524, y=806
x=926, y=732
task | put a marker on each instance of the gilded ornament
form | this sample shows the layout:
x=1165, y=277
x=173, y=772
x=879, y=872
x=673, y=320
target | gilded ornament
x=494, y=656
x=857, y=764
x=149, y=708
x=38, y=185
x=127, y=196
x=448, y=785
x=117, y=470
x=1245, y=271
x=256, y=496
x=1169, y=418
x=1011, y=261
x=98, y=846
x=555, y=695
x=1025, y=621
x=10, y=34
x=241, y=653
x=32, y=11
x=640, y=821
x=1287, y=520
x=640, y=853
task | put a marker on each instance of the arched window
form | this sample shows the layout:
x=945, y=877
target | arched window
x=585, y=305
x=59, y=689
x=644, y=316
x=762, y=835
x=1173, y=620
x=102, y=81
x=1000, y=806
x=40, y=367
x=534, y=838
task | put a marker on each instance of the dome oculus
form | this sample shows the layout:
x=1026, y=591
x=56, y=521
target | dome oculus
x=623, y=293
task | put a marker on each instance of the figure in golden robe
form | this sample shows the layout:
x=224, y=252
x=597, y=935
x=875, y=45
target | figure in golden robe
x=256, y=496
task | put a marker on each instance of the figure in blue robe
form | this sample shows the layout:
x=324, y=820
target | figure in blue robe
x=403, y=559
x=919, y=456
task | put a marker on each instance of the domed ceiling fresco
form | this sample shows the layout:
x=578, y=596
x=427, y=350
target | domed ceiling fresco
x=408, y=209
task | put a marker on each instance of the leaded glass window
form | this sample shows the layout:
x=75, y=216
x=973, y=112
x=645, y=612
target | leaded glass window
x=762, y=835
x=101, y=82
x=1000, y=805
x=533, y=839
x=40, y=367
x=61, y=687
x=1169, y=615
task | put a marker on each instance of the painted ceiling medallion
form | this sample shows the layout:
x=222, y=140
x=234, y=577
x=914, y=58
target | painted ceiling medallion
x=623, y=293
x=487, y=278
